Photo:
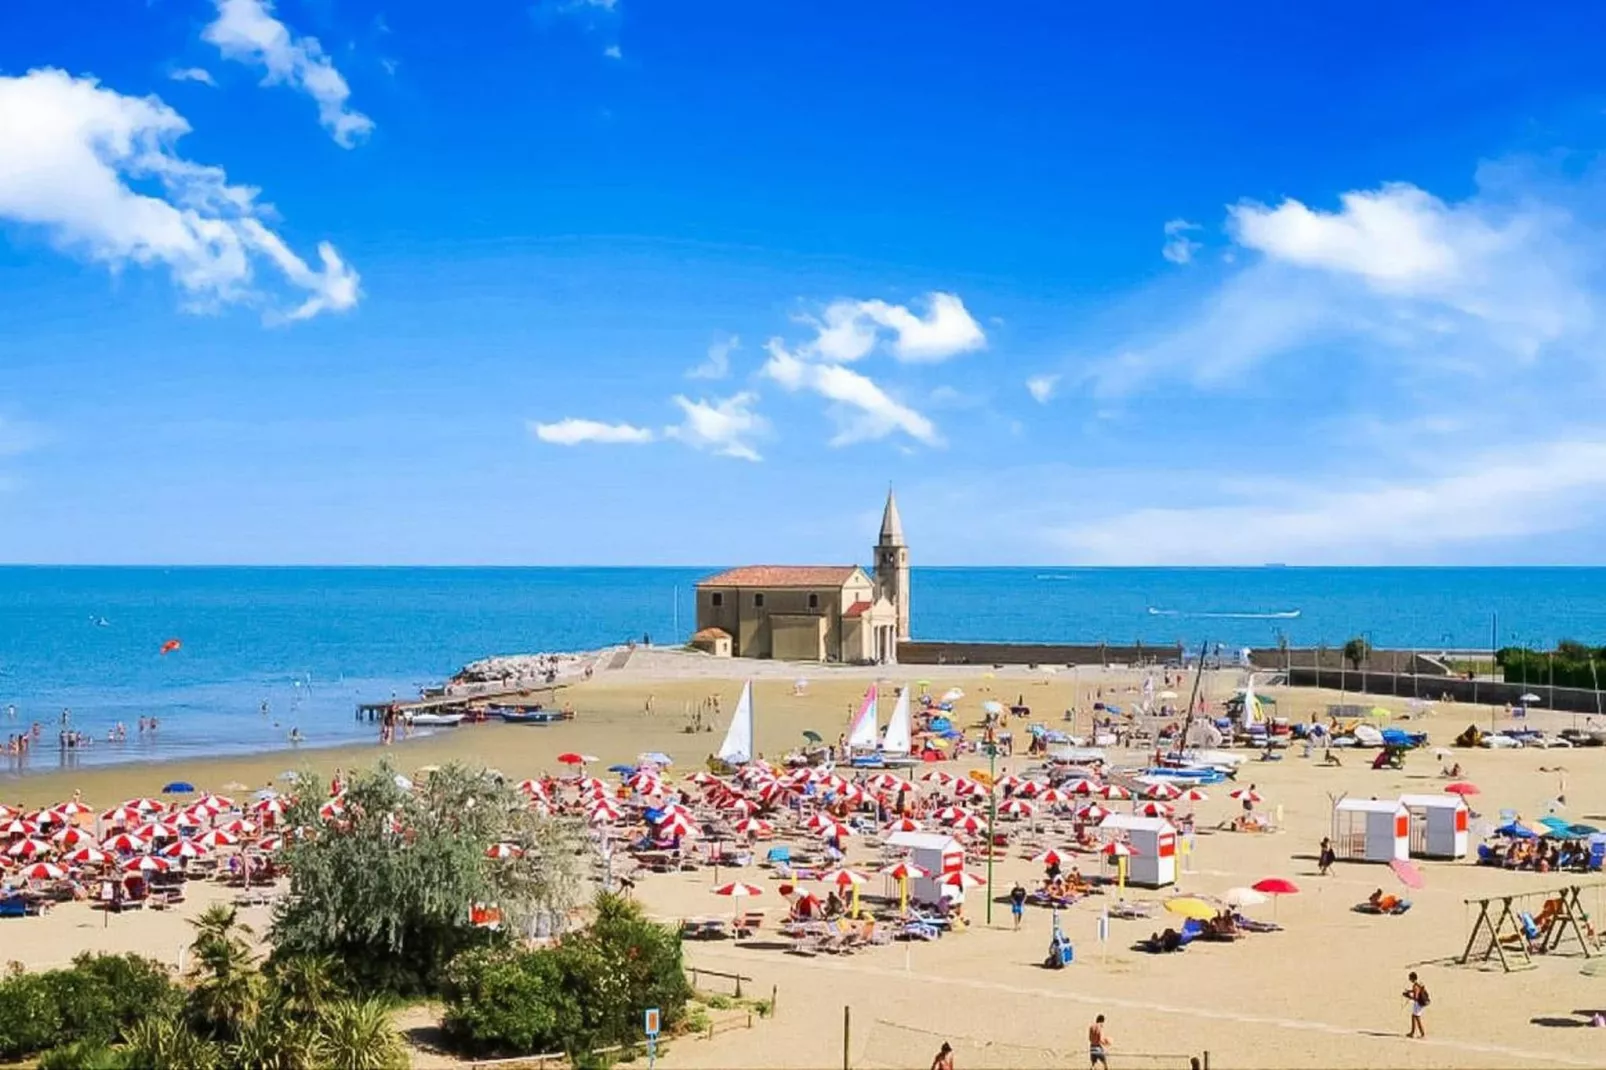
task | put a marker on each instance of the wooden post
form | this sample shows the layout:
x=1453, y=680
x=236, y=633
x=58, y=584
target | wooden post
x=1206, y=1063
x=738, y=986
x=847, y=1033
x=775, y=998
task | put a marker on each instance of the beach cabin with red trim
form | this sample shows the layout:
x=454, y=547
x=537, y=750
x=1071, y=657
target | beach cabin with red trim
x=1153, y=863
x=1371, y=830
x=935, y=852
x=1438, y=825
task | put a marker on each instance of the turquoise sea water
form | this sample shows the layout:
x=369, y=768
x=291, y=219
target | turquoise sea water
x=314, y=642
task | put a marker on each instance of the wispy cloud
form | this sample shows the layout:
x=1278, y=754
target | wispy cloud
x=1042, y=387
x=1179, y=248
x=248, y=32
x=863, y=410
x=70, y=154
x=575, y=432
x=717, y=364
x=725, y=426
x=613, y=52
x=850, y=330
x=193, y=74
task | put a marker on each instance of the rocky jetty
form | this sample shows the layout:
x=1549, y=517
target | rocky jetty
x=524, y=670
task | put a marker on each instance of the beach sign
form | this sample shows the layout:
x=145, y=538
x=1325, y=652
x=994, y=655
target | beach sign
x=651, y=1021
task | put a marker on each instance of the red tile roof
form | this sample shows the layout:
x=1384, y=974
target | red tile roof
x=782, y=576
x=857, y=609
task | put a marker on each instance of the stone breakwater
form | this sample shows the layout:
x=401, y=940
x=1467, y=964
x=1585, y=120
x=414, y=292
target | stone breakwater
x=512, y=671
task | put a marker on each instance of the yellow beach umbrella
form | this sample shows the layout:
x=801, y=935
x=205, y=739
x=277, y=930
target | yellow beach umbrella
x=1190, y=907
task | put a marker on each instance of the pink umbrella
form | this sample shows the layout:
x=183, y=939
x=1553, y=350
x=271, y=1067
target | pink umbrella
x=504, y=850
x=1408, y=874
x=147, y=864
x=87, y=856
x=42, y=871
x=28, y=848
x=123, y=843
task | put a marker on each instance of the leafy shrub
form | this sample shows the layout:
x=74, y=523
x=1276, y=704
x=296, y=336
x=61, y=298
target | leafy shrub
x=505, y=1001
x=94, y=1001
x=84, y=1055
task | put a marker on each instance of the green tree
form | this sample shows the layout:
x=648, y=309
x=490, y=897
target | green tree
x=226, y=987
x=1356, y=651
x=387, y=889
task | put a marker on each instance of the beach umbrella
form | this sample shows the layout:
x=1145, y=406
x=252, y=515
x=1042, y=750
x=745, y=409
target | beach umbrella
x=1083, y=786
x=238, y=827
x=1113, y=791
x=903, y=824
x=8, y=812
x=42, y=871
x=217, y=838
x=1155, y=809
x=274, y=806
x=147, y=864
x=532, y=787
x=572, y=758
x=1530, y=698
x=745, y=807
x=1246, y=793
x=28, y=847
x=178, y=787
x=966, y=785
x=621, y=769
x=834, y=830
x=590, y=783
x=847, y=878
x=1276, y=887
x=1408, y=874
x=122, y=815
x=46, y=818
x=87, y=856
x=270, y=844
x=1243, y=897
x=146, y=805
x=738, y=890
x=678, y=825
x=903, y=872
x=332, y=809
x=970, y=824
x=71, y=809
x=1195, y=795
x=183, y=849
x=1162, y=791
x=938, y=776
x=123, y=843
x=702, y=778
x=949, y=814
x=1462, y=788
x=963, y=881
x=1118, y=849
x=1052, y=797
x=953, y=694
x=19, y=826
x=504, y=850
x=1190, y=907
x=754, y=826
x=71, y=836
x=214, y=803
x=1092, y=813
x=156, y=830
x=1050, y=857
x=1017, y=808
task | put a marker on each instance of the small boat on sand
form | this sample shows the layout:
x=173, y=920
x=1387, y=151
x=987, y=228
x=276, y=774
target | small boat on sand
x=437, y=720
x=513, y=716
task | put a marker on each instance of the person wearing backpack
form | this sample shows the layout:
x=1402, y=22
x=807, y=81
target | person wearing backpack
x=1417, y=993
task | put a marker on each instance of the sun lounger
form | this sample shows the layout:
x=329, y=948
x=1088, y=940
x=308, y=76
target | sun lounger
x=1130, y=910
x=748, y=923
x=1250, y=925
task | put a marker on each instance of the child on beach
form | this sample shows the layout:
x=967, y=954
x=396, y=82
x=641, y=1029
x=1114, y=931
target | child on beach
x=1417, y=994
x=1017, y=902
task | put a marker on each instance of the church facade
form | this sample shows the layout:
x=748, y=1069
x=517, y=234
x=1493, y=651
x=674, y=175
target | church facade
x=827, y=613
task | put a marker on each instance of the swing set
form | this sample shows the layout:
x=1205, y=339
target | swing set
x=1514, y=935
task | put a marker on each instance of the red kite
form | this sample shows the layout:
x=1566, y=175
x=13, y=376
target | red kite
x=170, y=646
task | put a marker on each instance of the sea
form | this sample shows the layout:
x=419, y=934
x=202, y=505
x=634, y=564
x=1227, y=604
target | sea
x=264, y=651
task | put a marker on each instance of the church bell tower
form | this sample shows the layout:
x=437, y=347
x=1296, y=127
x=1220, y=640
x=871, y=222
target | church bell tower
x=892, y=563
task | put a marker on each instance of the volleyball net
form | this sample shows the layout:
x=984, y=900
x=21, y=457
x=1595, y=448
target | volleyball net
x=884, y=1045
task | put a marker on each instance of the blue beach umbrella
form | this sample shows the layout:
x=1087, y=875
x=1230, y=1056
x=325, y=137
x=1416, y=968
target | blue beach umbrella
x=179, y=787
x=621, y=768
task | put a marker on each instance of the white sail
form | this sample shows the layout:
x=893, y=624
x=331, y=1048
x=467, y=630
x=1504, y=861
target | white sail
x=1252, y=714
x=738, y=746
x=862, y=732
x=897, y=737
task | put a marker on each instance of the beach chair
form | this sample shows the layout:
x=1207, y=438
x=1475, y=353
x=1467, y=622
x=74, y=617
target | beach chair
x=749, y=923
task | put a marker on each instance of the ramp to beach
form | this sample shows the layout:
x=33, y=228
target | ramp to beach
x=620, y=659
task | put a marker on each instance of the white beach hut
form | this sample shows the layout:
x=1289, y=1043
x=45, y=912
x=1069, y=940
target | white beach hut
x=1371, y=830
x=935, y=852
x=1438, y=825
x=1154, y=848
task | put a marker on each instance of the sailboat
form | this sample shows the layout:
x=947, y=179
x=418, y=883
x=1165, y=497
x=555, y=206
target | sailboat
x=737, y=750
x=863, y=734
x=895, y=743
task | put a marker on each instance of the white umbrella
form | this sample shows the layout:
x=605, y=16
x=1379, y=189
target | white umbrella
x=1243, y=897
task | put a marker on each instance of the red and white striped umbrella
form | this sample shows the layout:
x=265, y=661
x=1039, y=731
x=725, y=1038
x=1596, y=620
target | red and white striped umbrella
x=738, y=890
x=703, y=779
x=1113, y=791
x=845, y=878
x=1092, y=812
x=504, y=850
x=963, y=881
x=183, y=849
x=146, y=805
x=1118, y=849
x=754, y=826
x=156, y=830
x=46, y=818
x=1162, y=791
x=1195, y=795
x=1053, y=797
x=70, y=809
x=42, y=871
x=832, y=782
x=28, y=847
x=239, y=827
x=1155, y=809
x=970, y=824
x=1084, y=786
x=270, y=844
x=19, y=826
x=217, y=804
x=1017, y=808
x=122, y=815
x=904, y=871
x=274, y=806
x=71, y=836
x=1050, y=857
x=1031, y=789
x=937, y=776
x=890, y=782
x=8, y=812
x=87, y=856
x=964, y=787
x=834, y=830
x=1246, y=793
x=739, y=805
x=950, y=814
x=532, y=787
x=147, y=864
x=852, y=793
x=678, y=825
x=217, y=838
x=904, y=824
x=123, y=843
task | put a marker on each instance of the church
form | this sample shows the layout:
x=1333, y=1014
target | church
x=834, y=613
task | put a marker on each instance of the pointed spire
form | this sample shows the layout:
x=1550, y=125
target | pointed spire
x=891, y=523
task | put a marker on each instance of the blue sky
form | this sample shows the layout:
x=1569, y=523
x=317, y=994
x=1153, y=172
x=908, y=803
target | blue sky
x=332, y=281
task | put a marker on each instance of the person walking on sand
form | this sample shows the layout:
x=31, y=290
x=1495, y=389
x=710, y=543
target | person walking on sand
x=1017, y=903
x=945, y=1058
x=1417, y=993
x=1097, y=1041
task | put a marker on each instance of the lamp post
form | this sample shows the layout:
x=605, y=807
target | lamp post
x=990, y=742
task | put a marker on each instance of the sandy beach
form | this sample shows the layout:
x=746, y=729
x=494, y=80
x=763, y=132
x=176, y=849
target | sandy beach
x=1324, y=992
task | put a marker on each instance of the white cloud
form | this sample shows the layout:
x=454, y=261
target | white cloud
x=246, y=31
x=1179, y=248
x=1042, y=387
x=717, y=365
x=849, y=330
x=193, y=74
x=725, y=426
x=70, y=152
x=1510, y=496
x=613, y=52
x=574, y=432
x=863, y=410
